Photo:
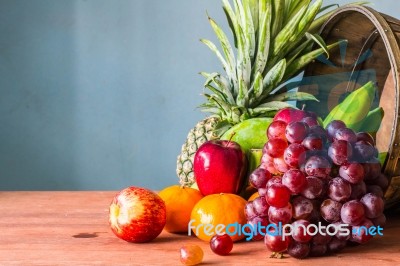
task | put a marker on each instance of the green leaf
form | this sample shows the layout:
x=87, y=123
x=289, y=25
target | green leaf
x=278, y=16
x=273, y=105
x=327, y=7
x=221, y=127
x=293, y=96
x=298, y=64
x=231, y=18
x=264, y=41
x=287, y=32
x=226, y=46
x=214, y=48
x=318, y=39
x=273, y=77
x=298, y=51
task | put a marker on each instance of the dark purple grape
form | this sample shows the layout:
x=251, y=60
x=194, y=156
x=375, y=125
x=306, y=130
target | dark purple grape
x=298, y=250
x=260, y=206
x=373, y=205
x=294, y=180
x=382, y=181
x=310, y=121
x=313, y=142
x=339, y=189
x=283, y=215
x=259, y=177
x=313, y=188
x=340, y=152
x=379, y=221
x=363, y=151
x=352, y=212
x=320, y=132
x=360, y=232
x=249, y=210
x=376, y=190
x=352, y=172
x=374, y=169
x=318, y=250
x=333, y=126
x=296, y=132
x=294, y=155
x=358, y=190
x=318, y=166
x=330, y=210
x=346, y=134
x=336, y=245
x=320, y=239
x=366, y=137
x=302, y=208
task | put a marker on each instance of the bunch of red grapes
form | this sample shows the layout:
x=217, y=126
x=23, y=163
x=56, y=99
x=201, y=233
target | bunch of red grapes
x=311, y=175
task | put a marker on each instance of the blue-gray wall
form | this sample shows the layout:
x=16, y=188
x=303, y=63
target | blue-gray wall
x=99, y=94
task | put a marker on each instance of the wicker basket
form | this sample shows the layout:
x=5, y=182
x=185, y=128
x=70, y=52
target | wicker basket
x=371, y=53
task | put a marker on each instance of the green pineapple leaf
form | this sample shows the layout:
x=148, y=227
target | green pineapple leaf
x=293, y=96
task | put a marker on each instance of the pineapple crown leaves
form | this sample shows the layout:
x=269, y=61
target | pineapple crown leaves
x=273, y=42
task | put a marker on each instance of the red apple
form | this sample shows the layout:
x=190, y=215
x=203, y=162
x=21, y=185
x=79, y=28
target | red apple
x=219, y=167
x=137, y=215
x=289, y=115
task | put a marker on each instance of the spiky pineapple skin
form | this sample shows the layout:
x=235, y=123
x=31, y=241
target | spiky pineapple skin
x=202, y=132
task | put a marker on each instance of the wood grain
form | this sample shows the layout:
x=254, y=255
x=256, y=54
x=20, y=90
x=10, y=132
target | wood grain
x=71, y=228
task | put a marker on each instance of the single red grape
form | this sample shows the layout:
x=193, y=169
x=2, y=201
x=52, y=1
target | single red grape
x=333, y=126
x=340, y=152
x=276, y=243
x=313, y=188
x=277, y=130
x=339, y=189
x=295, y=155
x=296, y=132
x=318, y=166
x=352, y=212
x=278, y=195
x=352, y=172
x=221, y=244
x=275, y=147
x=259, y=177
x=330, y=210
x=313, y=142
x=294, y=180
x=298, y=250
x=373, y=205
x=260, y=206
x=360, y=232
x=302, y=208
x=346, y=134
x=280, y=215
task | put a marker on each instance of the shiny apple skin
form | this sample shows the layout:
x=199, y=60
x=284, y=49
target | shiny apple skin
x=137, y=215
x=220, y=167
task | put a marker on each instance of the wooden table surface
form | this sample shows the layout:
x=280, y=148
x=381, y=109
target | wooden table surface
x=71, y=228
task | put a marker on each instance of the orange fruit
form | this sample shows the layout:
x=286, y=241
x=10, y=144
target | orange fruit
x=213, y=213
x=179, y=202
x=254, y=196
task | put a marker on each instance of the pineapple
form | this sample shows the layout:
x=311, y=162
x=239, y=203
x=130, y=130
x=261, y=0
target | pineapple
x=273, y=42
x=203, y=131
